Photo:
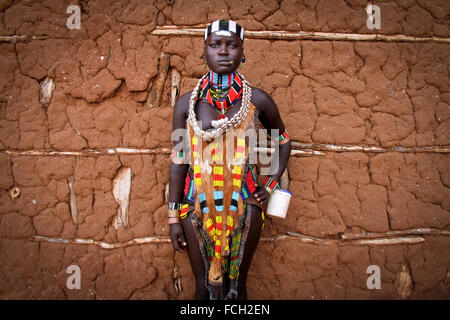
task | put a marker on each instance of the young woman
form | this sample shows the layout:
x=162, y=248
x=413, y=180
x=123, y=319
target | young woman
x=216, y=206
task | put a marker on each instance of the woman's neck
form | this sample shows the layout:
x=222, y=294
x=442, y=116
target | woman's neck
x=221, y=80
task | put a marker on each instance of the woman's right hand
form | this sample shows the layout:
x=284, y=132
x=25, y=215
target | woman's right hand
x=177, y=237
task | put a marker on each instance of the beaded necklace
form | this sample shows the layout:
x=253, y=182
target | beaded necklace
x=221, y=91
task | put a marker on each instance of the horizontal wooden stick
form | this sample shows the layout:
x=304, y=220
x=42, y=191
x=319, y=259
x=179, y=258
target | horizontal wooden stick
x=308, y=239
x=129, y=151
x=385, y=241
x=418, y=231
x=302, y=35
x=288, y=236
x=299, y=149
x=12, y=38
x=360, y=241
x=22, y=38
x=87, y=152
x=270, y=35
x=293, y=152
x=102, y=244
x=356, y=148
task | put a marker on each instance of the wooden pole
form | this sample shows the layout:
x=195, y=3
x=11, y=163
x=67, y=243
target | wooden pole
x=418, y=231
x=22, y=38
x=271, y=35
x=302, y=35
x=102, y=244
x=12, y=39
x=289, y=236
x=299, y=149
x=355, y=148
x=88, y=152
x=155, y=94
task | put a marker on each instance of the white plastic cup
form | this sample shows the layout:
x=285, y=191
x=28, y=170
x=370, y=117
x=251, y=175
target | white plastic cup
x=279, y=203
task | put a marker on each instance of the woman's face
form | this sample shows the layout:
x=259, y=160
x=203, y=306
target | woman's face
x=223, y=54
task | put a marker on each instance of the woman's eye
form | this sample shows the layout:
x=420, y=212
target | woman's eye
x=233, y=46
x=214, y=45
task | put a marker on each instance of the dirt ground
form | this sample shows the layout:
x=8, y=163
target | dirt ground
x=388, y=206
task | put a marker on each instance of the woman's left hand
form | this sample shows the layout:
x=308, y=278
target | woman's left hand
x=262, y=196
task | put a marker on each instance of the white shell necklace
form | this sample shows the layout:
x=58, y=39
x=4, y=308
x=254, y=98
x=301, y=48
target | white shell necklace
x=220, y=126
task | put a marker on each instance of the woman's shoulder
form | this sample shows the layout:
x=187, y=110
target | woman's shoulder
x=259, y=93
x=182, y=104
x=261, y=99
x=184, y=98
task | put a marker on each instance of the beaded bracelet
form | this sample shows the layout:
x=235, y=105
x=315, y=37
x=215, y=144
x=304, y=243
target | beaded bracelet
x=173, y=213
x=178, y=157
x=174, y=206
x=270, y=185
x=283, y=137
x=184, y=211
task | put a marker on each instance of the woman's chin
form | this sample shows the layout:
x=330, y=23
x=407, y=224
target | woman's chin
x=223, y=69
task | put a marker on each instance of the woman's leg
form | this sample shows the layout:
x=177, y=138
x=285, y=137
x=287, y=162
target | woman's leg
x=196, y=259
x=254, y=234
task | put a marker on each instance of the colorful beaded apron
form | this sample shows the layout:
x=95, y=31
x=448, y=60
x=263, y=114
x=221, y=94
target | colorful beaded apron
x=215, y=191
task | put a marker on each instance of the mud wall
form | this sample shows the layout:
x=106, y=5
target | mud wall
x=370, y=120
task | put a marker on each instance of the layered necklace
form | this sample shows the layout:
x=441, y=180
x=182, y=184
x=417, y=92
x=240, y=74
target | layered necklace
x=221, y=91
x=238, y=87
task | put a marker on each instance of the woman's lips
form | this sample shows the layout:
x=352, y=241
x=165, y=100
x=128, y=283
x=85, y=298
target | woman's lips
x=225, y=62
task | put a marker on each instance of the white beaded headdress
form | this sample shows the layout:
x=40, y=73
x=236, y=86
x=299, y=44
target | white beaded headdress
x=224, y=27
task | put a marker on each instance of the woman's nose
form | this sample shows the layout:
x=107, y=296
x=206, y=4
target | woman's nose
x=223, y=50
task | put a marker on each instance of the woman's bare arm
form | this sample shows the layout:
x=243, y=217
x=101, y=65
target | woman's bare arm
x=270, y=118
x=178, y=168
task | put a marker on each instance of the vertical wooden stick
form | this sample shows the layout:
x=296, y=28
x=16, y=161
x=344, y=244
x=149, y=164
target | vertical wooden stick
x=154, y=96
x=176, y=80
x=73, y=201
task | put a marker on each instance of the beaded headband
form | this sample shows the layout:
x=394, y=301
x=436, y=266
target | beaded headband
x=224, y=27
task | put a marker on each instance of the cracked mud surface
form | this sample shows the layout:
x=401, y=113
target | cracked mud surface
x=382, y=94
